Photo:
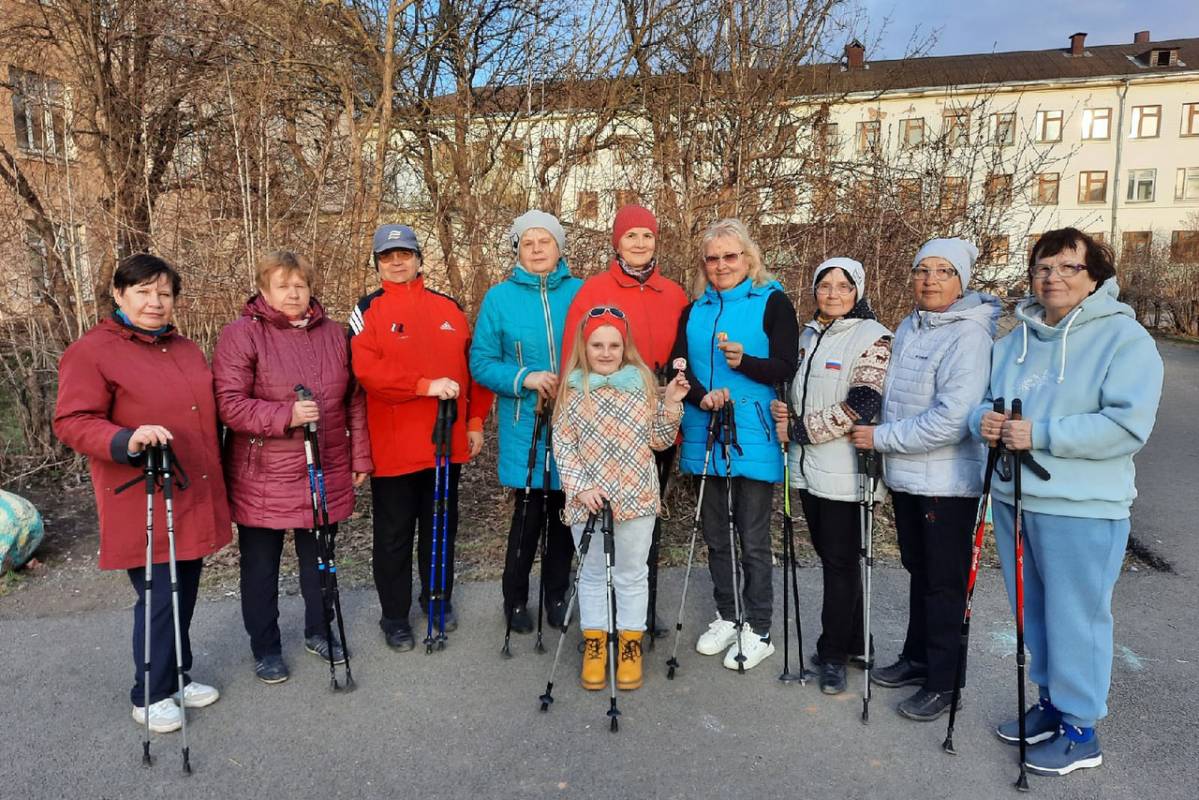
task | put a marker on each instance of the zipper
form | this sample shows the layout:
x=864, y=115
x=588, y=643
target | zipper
x=548, y=317
x=520, y=363
x=762, y=419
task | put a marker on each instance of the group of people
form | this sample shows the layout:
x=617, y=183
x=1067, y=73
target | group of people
x=599, y=383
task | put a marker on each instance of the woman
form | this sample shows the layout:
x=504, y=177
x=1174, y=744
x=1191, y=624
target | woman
x=515, y=354
x=739, y=338
x=844, y=353
x=1089, y=378
x=283, y=340
x=410, y=348
x=129, y=383
x=939, y=370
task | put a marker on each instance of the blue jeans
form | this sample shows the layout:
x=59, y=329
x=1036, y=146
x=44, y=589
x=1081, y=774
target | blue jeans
x=630, y=575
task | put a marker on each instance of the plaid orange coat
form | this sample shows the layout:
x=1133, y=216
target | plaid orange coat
x=607, y=443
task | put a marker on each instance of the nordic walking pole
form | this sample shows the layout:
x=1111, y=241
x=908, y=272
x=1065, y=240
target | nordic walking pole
x=1018, y=530
x=168, y=492
x=728, y=437
x=672, y=663
x=868, y=470
x=980, y=532
x=442, y=428
x=320, y=524
x=545, y=518
x=451, y=414
x=787, y=676
x=538, y=419
x=147, y=583
x=584, y=545
x=606, y=527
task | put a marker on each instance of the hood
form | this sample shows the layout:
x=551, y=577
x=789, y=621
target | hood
x=977, y=307
x=257, y=306
x=523, y=277
x=1103, y=302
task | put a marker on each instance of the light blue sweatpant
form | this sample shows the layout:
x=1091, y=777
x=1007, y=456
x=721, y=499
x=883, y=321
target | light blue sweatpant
x=1070, y=569
x=630, y=576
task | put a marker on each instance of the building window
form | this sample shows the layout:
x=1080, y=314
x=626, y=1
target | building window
x=38, y=115
x=1184, y=247
x=551, y=152
x=998, y=190
x=1190, y=120
x=827, y=141
x=1092, y=187
x=1029, y=243
x=824, y=197
x=1136, y=246
x=1146, y=122
x=1186, y=186
x=70, y=246
x=995, y=250
x=953, y=194
x=626, y=197
x=1003, y=128
x=911, y=194
x=1096, y=124
x=513, y=153
x=1048, y=126
x=587, y=205
x=911, y=132
x=1045, y=188
x=868, y=133
x=956, y=127
x=1140, y=185
x=783, y=199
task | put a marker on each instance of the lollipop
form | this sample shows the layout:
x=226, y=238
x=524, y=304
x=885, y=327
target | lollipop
x=680, y=364
x=722, y=337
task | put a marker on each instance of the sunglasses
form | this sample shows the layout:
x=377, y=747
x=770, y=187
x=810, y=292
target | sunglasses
x=729, y=259
x=600, y=311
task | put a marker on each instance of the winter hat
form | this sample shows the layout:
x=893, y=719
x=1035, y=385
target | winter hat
x=854, y=269
x=632, y=217
x=536, y=219
x=959, y=252
x=600, y=316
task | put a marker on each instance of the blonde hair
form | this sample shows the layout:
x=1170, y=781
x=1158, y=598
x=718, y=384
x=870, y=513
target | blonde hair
x=732, y=229
x=287, y=261
x=578, y=360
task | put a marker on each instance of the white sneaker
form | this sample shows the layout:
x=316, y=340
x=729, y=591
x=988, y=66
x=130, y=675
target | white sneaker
x=752, y=647
x=164, y=716
x=198, y=695
x=720, y=634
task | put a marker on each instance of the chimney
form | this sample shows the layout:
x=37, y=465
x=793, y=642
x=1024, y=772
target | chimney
x=1141, y=37
x=1077, y=44
x=855, y=55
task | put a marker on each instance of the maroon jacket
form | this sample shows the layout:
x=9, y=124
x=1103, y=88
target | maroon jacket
x=114, y=379
x=258, y=361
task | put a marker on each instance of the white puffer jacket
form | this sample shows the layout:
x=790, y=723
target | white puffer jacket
x=940, y=368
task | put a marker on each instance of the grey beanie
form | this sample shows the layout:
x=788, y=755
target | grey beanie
x=536, y=219
x=854, y=269
x=959, y=252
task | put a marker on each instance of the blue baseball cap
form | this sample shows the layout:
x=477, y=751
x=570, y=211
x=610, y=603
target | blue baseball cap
x=395, y=237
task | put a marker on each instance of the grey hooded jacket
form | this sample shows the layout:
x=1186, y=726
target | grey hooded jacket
x=939, y=372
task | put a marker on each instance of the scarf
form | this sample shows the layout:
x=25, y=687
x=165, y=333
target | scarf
x=640, y=275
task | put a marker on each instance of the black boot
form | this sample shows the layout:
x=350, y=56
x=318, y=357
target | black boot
x=521, y=622
x=904, y=672
x=398, y=634
x=926, y=706
x=832, y=677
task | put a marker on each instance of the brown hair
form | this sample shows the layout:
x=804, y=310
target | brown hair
x=287, y=261
x=1100, y=259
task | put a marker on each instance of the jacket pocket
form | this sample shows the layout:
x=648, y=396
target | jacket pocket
x=763, y=421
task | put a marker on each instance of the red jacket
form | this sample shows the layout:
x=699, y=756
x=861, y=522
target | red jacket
x=653, y=310
x=257, y=363
x=114, y=379
x=405, y=336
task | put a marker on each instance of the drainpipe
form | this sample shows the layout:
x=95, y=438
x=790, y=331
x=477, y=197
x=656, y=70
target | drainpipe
x=1119, y=152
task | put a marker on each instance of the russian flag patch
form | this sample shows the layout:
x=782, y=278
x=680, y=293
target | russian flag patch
x=832, y=363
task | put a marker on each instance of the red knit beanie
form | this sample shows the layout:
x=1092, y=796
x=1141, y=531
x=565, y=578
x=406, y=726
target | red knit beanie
x=632, y=217
x=592, y=324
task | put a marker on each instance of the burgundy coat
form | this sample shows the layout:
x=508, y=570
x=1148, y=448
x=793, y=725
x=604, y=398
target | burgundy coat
x=114, y=379
x=258, y=361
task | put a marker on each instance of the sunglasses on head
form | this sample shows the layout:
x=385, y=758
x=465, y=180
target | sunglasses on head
x=599, y=311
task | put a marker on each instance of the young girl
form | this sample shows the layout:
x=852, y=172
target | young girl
x=608, y=421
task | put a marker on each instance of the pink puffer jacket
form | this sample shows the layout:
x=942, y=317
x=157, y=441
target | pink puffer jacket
x=258, y=361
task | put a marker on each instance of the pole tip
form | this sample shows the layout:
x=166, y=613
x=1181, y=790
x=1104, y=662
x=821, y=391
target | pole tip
x=947, y=746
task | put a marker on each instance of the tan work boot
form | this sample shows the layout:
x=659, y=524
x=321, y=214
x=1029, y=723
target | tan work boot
x=595, y=660
x=628, y=665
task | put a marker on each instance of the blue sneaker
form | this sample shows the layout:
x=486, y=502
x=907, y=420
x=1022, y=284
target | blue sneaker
x=1041, y=723
x=1065, y=753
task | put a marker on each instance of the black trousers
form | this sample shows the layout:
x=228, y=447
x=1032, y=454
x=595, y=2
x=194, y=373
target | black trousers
x=751, y=520
x=664, y=461
x=260, y=552
x=836, y=529
x=559, y=547
x=402, y=505
x=163, y=683
x=935, y=545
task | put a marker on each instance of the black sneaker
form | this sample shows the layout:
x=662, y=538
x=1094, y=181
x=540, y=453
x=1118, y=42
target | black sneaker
x=555, y=615
x=926, y=706
x=832, y=678
x=521, y=621
x=398, y=636
x=319, y=646
x=271, y=669
x=854, y=661
x=903, y=672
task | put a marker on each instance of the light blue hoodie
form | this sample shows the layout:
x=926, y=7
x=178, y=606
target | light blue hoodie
x=1091, y=386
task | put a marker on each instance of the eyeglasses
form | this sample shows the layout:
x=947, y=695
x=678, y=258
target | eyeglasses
x=1041, y=271
x=599, y=311
x=940, y=273
x=729, y=259
x=840, y=289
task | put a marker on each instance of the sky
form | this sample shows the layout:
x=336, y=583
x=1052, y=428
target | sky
x=984, y=26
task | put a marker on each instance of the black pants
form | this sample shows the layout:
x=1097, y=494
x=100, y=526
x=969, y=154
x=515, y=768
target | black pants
x=559, y=548
x=836, y=529
x=664, y=461
x=260, y=552
x=163, y=683
x=751, y=519
x=401, y=505
x=935, y=546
